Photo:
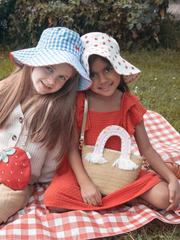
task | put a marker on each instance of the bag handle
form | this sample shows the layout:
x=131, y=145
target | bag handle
x=81, y=140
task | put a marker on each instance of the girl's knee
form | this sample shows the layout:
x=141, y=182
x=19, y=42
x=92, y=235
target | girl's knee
x=158, y=195
x=162, y=198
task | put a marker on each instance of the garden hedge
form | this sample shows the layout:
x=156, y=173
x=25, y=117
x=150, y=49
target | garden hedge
x=133, y=23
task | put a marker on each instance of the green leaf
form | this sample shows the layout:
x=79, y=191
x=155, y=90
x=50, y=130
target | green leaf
x=146, y=5
x=134, y=21
x=153, y=7
x=141, y=19
x=137, y=15
x=130, y=25
x=126, y=5
x=157, y=29
x=138, y=26
x=149, y=15
x=147, y=19
x=160, y=1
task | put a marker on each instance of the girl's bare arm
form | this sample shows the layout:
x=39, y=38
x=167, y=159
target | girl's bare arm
x=90, y=193
x=157, y=163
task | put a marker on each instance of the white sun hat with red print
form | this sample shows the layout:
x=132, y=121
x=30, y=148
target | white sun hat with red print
x=104, y=45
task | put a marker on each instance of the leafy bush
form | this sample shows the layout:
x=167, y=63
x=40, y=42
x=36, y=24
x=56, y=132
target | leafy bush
x=130, y=22
x=6, y=8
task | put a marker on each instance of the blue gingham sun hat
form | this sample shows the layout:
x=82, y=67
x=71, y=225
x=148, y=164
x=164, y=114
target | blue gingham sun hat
x=56, y=45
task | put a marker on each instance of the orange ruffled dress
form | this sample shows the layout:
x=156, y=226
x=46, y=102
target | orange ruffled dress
x=64, y=191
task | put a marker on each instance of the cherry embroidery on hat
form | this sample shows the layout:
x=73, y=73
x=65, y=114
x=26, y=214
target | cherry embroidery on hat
x=96, y=45
x=15, y=168
x=104, y=43
x=77, y=46
x=96, y=39
x=87, y=41
x=132, y=67
x=85, y=36
x=126, y=67
x=119, y=63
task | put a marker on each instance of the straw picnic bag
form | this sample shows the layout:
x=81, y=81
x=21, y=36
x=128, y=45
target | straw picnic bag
x=108, y=169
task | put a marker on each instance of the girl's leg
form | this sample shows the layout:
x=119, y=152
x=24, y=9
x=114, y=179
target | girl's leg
x=58, y=210
x=158, y=196
x=12, y=201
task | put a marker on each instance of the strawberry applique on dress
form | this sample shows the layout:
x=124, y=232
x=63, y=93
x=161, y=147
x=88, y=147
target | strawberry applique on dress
x=15, y=168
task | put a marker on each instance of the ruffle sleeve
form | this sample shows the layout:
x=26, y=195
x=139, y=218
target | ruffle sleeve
x=132, y=112
x=80, y=112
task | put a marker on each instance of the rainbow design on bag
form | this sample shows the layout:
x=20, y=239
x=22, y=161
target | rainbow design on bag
x=123, y=162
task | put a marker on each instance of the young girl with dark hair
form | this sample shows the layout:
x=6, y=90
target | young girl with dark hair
x=110, y=103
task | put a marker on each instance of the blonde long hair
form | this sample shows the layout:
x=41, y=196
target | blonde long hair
x=52, y=117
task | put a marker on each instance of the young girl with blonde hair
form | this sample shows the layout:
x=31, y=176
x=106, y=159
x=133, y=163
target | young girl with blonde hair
x=37, y=114
x=110, y=103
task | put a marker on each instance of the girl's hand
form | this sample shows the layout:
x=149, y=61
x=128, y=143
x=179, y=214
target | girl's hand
x=91, y=194
x=174, y=195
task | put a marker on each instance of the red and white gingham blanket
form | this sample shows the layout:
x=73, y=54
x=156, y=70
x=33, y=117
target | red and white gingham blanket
x=36, y=222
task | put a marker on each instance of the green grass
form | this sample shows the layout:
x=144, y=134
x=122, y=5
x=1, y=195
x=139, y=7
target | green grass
x=156, y=230
x=6, y=66
x=158, y=89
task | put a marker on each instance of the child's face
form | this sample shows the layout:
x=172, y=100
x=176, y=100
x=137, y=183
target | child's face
x=50, y=79
x=105, y=78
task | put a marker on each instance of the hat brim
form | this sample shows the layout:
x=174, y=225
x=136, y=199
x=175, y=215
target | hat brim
x=36, y=58
x=121, y=66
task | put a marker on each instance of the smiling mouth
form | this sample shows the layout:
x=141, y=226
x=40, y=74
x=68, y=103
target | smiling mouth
x=45, y=85
x=106, y=87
